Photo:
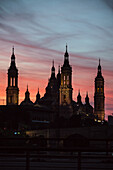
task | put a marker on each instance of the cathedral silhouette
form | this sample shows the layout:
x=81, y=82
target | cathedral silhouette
x=57, y=101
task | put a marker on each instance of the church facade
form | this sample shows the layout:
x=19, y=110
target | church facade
x=58, y=96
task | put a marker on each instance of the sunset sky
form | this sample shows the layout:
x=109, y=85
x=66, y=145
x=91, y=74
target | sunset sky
x=39, y=31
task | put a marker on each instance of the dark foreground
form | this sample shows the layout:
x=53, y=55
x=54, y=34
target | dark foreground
x=53, y=160
x=46, y=155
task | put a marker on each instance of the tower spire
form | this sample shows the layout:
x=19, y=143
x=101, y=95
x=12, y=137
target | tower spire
x=99, y=69
x=87, y=93
x=87, y=98
x=13, y=57
x=66, y=47
x=13, y=50
x=27, y=87
x=37, y=96
x=59, y=69
x=79, y=92
x=27, y=94
x=79, y=98
x=66, y=57
x=53, y=70
x=53, y=63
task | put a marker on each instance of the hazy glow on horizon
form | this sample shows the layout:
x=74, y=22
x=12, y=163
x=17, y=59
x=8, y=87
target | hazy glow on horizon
x=39, y=31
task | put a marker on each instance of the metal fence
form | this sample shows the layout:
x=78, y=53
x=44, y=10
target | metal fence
x=49, y=154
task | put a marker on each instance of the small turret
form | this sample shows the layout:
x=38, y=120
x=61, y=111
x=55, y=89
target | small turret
x=79, y=98
x=37, y=96
x=53, y=71
x=27, y=94
x=27, y=100
x=87, y=99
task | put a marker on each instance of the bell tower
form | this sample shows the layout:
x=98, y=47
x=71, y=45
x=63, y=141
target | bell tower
x=66, y=81
x=12, y=91
x=99, y=97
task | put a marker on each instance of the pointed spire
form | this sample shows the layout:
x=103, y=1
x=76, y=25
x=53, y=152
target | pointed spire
x=38, y=92
x=58, y=77
x=79, y=98
x=27, y=87
x=13, y=50
x=99, y=69
x=13, y=57
x=87, y=93
x=66, y=47
x=87, y=98
x=53, y=63
x=99, y=61
x=66, y=58
x=53, y=70
x=27, y=94
x=79, y=92
x=37, y=96
x=59, y=69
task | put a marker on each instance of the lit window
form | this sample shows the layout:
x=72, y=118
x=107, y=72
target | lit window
x=101, y=89
x=67, y=77
x=14, y=81
x=10, y=81
x=97, y=89
x=67, y=80
x=9, y=100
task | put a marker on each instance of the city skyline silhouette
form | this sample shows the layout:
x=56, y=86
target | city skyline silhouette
x=39, y=35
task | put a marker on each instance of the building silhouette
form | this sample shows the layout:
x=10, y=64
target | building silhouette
x=27, y=100
x=37, y=97
x=12, y=91
x=79, y=101
x=66, y=81
x=99, y=97
x=57, y=104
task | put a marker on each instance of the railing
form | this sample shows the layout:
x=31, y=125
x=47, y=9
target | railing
x=30, y=156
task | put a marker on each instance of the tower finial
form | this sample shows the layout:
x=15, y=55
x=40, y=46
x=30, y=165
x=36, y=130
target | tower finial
x=99, y=69
x=79, y=92
x=87, y=93
x=99, y=61
x=66, y=47
x=53, y=70
x=87, y=98
x=53, y=63
x=27, y=87
x=79, y=98
x=59, y=69
x=13, y=50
